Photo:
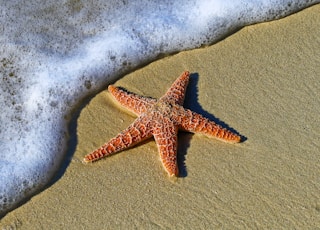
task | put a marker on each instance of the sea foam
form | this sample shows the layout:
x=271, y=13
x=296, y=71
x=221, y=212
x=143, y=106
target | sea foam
x=53, y=54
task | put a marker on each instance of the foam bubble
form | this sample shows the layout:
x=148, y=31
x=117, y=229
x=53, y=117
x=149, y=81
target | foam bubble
x=53, y=54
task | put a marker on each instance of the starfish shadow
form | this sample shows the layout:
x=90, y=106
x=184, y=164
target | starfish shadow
x=191, y=102
x=184, y=139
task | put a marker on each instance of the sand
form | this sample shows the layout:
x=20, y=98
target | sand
x=262, y=81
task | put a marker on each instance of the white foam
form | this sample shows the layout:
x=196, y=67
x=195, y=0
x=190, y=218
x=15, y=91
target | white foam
x=53, y=54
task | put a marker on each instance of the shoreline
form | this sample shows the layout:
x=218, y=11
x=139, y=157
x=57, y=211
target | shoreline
x=262, y=82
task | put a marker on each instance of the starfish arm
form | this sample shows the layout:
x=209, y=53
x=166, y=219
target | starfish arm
x=135, y=133
x=196, y=123
x=165, y=135
x=135, y=103
x=177, y=91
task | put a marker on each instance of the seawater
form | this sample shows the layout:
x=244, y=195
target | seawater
x=53, y=54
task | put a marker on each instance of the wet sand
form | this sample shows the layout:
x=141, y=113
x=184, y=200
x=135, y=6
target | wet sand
x=263, y=82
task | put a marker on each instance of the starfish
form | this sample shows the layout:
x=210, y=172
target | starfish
x=161, y=119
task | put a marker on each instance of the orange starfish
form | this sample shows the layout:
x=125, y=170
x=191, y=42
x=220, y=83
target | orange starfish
x=161, y=119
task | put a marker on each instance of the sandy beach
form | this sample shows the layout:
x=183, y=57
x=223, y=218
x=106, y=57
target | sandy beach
x=263, y=82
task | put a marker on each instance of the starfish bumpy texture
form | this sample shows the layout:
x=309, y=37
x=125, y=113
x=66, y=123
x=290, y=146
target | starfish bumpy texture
x=161, y=119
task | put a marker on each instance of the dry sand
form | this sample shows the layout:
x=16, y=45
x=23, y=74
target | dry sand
x=263, y=81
